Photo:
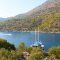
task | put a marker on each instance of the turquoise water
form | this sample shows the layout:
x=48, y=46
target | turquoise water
x=48, y=39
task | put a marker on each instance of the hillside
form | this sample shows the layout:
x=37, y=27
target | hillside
x=45, y=16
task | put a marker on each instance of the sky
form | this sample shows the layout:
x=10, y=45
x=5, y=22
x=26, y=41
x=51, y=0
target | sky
x=10, y=8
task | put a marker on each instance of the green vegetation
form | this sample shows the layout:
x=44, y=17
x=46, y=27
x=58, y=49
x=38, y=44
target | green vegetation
x=47, y=19
x=35, y=53
x=55, y=52
x=6, y=45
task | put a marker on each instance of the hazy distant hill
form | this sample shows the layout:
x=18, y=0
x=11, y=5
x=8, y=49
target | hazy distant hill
x=45, y=16
x=3, y=19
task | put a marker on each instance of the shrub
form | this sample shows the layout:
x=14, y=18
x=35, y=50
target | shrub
x=55, y=52
x=36, y=54
x=6, y=45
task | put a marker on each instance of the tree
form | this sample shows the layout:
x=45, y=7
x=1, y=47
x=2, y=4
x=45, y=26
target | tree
x=36, y=54
x=6, y=45
x=55, y=52
x=21, y=48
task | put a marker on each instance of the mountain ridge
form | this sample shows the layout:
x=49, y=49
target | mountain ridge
x=45, y=16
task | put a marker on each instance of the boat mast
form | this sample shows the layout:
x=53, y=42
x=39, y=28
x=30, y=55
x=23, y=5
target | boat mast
x=35, y=35
x=38, y=34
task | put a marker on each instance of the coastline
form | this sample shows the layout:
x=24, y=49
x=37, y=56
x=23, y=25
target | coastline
x=31, y=31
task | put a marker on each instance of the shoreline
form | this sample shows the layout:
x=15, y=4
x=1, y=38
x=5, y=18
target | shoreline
x=31, y=31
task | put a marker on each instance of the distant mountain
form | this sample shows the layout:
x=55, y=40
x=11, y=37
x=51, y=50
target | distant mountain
x=45, y=16
x=3, y=19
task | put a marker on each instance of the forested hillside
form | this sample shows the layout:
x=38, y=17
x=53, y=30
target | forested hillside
x=45, y=16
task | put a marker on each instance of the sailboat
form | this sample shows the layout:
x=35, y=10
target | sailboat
x=37, y=42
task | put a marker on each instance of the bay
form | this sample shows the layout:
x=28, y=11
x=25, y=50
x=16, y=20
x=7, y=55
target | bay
x=47, y=39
